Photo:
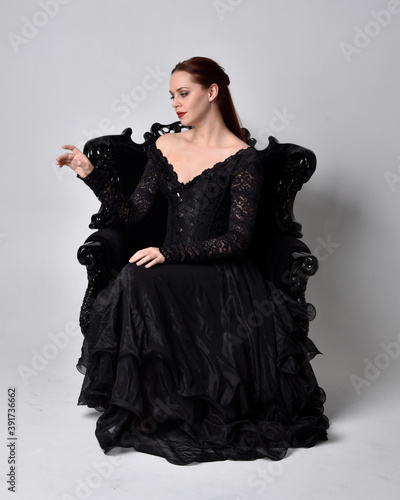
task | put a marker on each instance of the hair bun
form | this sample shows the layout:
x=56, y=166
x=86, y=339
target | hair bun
x=225, y=78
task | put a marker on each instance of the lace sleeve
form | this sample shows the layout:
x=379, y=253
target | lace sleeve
x=245, y=194
x=133, y=209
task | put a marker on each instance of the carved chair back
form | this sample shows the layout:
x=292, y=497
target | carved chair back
x=286, y=168
x=283, y=258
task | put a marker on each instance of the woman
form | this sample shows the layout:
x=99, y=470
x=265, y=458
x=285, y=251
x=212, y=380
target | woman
x=192, y=355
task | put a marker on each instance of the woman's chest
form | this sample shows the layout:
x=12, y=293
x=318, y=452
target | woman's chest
x=190, y=164
x=206, y=189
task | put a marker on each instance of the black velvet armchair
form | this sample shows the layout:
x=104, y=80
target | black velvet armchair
x=277, y=248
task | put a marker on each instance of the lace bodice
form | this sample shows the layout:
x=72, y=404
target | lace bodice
x=210, y=217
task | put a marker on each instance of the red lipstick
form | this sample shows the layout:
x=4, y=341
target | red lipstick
x=180, y=114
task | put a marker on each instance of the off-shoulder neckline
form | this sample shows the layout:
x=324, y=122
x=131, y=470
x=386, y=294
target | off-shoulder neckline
x=205, y=171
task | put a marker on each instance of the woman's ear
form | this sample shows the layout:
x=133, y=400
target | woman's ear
x=213, y=92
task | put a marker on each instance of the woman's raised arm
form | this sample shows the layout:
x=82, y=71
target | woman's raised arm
x=130, y=210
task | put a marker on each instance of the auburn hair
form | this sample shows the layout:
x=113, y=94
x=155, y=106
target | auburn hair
x=205, y=71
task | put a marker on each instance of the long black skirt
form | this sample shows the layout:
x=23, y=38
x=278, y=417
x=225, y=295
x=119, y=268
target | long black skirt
x=201, y=362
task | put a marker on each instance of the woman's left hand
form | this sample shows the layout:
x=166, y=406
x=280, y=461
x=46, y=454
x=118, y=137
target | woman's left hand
x=149, y=256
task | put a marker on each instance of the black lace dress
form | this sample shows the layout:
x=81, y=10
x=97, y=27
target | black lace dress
x=198, y=359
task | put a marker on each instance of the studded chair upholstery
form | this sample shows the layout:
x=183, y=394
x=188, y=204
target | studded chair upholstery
x=283, y=258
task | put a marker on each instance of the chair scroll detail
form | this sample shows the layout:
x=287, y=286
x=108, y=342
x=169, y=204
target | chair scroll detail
x=91, y=255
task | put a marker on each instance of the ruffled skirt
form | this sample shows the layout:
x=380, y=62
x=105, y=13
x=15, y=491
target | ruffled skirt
x=201, y=362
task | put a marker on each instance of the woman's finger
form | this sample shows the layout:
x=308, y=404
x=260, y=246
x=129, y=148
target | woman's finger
x=141, y=257
x=153, y=263
x=75, y=160
x=72, y=148
x=149, y=256
x=135, y=257
x=65, y=158
x=145, y=259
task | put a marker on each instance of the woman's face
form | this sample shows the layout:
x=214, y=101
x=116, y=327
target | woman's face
x=191, y=101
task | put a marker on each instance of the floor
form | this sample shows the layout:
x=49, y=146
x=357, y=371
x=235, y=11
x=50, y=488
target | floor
x=57, y=455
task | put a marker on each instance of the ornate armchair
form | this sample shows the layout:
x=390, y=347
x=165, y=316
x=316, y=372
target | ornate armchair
x=283, y=258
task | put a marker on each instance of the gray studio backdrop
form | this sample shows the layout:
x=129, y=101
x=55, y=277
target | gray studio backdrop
x=318, y=73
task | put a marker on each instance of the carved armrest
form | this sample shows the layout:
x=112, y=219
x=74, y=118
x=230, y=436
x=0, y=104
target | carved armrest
x=104, y=254
x=288, y=263
x=303, y=266
x=92, y=255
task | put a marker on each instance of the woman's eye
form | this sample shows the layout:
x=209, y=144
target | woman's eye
x=183, y=94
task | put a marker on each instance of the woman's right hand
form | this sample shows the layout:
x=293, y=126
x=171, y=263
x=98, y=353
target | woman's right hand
x=75, y=160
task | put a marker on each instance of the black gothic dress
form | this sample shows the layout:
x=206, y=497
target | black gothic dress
x=198, y=359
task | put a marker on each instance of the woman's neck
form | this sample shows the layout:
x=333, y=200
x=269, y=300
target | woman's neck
x=211, y=131
x=209, y=135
